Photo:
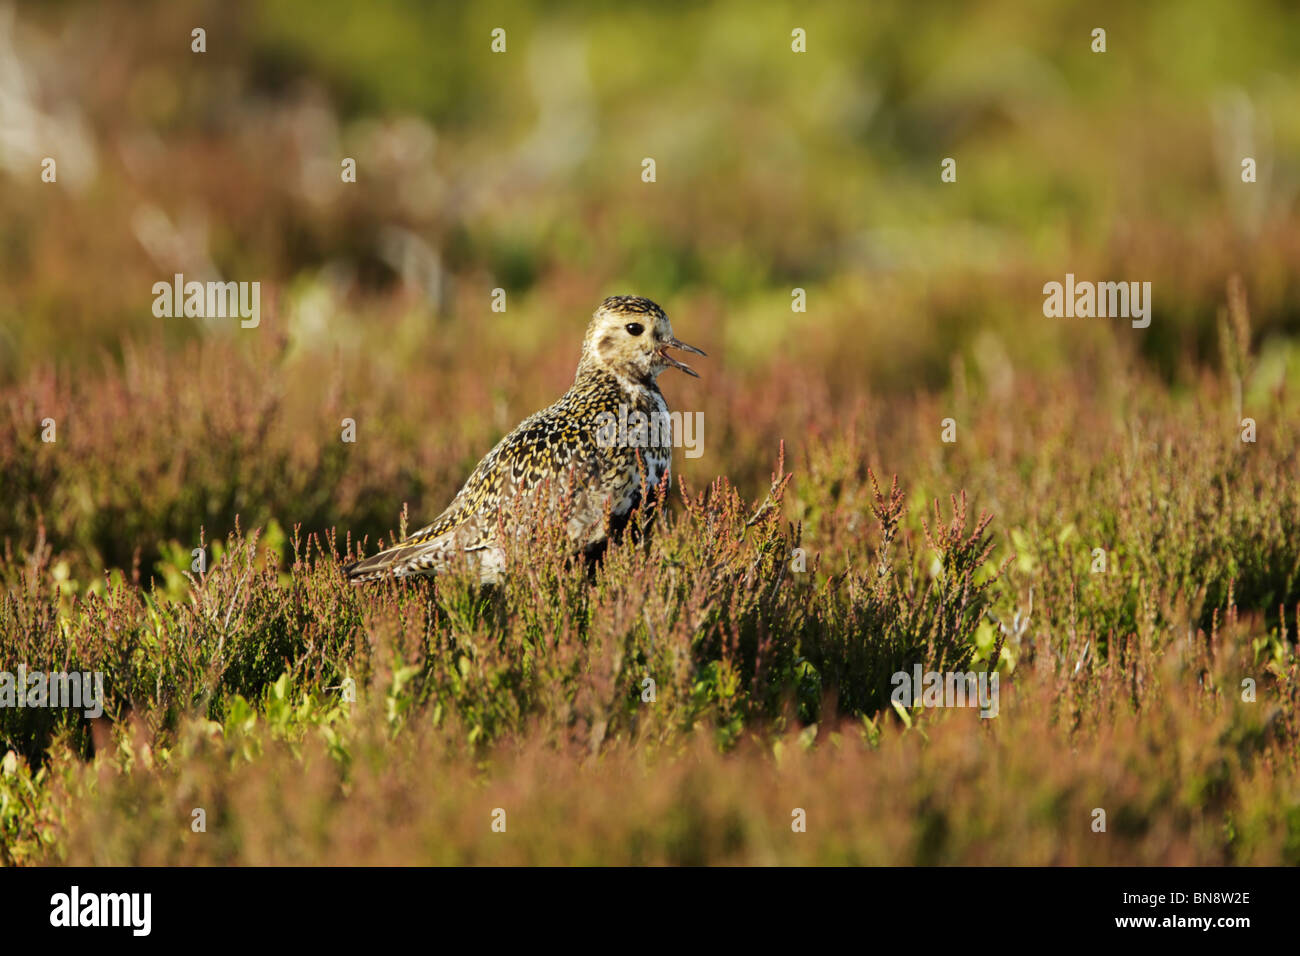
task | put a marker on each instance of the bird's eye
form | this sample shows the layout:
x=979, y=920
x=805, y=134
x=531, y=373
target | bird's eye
x=634, y=328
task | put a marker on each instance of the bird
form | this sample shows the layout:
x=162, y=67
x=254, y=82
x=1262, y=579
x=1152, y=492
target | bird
x=578, y=460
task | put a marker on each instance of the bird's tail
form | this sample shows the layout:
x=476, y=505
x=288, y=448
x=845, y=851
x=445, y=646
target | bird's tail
x=424, y=552
x=378, y=566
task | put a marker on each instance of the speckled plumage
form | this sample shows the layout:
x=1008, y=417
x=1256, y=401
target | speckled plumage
x=559, y=454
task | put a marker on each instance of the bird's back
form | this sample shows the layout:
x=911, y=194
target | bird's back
x=556, y=456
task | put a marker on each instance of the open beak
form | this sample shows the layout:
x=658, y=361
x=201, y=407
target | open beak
x=673, y=343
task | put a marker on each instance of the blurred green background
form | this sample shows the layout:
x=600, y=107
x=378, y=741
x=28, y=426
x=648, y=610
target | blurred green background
x=775, y=170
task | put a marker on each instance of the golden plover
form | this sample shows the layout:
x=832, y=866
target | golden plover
x=579, y=451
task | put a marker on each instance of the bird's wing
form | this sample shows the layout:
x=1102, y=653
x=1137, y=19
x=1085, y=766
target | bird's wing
x=469, y=522
x=456, y=529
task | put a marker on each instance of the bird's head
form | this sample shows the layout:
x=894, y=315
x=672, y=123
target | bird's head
x=630, y=336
